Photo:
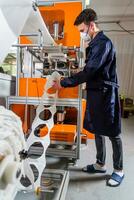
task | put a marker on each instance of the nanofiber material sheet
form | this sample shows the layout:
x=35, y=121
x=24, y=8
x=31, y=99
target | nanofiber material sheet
x=16, y=17
x=13, y=15
x=40, y=162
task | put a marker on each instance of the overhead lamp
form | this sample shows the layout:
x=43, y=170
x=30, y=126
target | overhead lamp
x=87, y=2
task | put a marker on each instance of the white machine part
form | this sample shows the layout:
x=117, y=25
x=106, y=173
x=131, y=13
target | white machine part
x=12, y=142
x=18, y=17
x=40, y=163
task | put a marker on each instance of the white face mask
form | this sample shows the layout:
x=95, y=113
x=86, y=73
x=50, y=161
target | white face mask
x=85, y=36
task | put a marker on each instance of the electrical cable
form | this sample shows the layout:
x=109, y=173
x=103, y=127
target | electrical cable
x=115, y=30
x=128, y=31
x=121, y=31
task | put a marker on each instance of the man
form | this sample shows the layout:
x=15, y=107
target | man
x=103, y=112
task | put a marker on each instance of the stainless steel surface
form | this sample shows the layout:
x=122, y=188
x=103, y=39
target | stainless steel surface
x=30, y=34
x=56, y=30
x=63, y=177
x=79, y=125
x=5, y=77
x=46, y=101
x=58, y=1
x=18, y=69
x=26, y=45
x=57, y=191
x=7, y=85
x=64, y=153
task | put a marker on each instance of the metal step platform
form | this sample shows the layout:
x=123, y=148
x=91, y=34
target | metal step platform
x=54, y=184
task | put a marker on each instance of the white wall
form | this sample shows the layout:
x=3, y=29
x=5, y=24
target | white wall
x=123, y=11
x=124, y=45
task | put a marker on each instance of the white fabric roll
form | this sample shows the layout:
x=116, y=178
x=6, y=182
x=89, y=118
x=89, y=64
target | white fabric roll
x=5, y=148
x=11, y=143
x=3, y=164
x=10, y=173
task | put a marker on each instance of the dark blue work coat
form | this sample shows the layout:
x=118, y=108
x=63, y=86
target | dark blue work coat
x=103, y=110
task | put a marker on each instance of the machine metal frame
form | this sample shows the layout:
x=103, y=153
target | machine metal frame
x=73, y=154
x=77, y=103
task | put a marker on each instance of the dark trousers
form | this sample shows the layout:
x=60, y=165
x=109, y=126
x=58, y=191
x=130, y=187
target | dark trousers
x=117, y=151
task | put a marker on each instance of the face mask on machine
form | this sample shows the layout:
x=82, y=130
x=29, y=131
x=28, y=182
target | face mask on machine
x=85, y=36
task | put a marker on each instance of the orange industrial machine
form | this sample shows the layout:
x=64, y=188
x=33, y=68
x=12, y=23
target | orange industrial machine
x=58, y=17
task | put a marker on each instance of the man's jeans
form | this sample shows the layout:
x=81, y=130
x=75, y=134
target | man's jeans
x=117, y=151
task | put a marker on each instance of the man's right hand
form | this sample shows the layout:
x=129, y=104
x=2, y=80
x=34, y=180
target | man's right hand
x=56, y=85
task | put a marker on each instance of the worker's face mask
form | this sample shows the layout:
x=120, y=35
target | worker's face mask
x=85, y=36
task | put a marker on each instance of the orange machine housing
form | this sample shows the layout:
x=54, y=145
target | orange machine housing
x=25, y=40
x=65, y=14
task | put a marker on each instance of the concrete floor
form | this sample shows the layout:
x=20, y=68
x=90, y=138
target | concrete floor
x=84, y=186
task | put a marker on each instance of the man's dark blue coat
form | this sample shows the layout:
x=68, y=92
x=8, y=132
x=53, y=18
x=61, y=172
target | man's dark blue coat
x=103, y=110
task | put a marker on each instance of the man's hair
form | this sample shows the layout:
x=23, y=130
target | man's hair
x=86, y=16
